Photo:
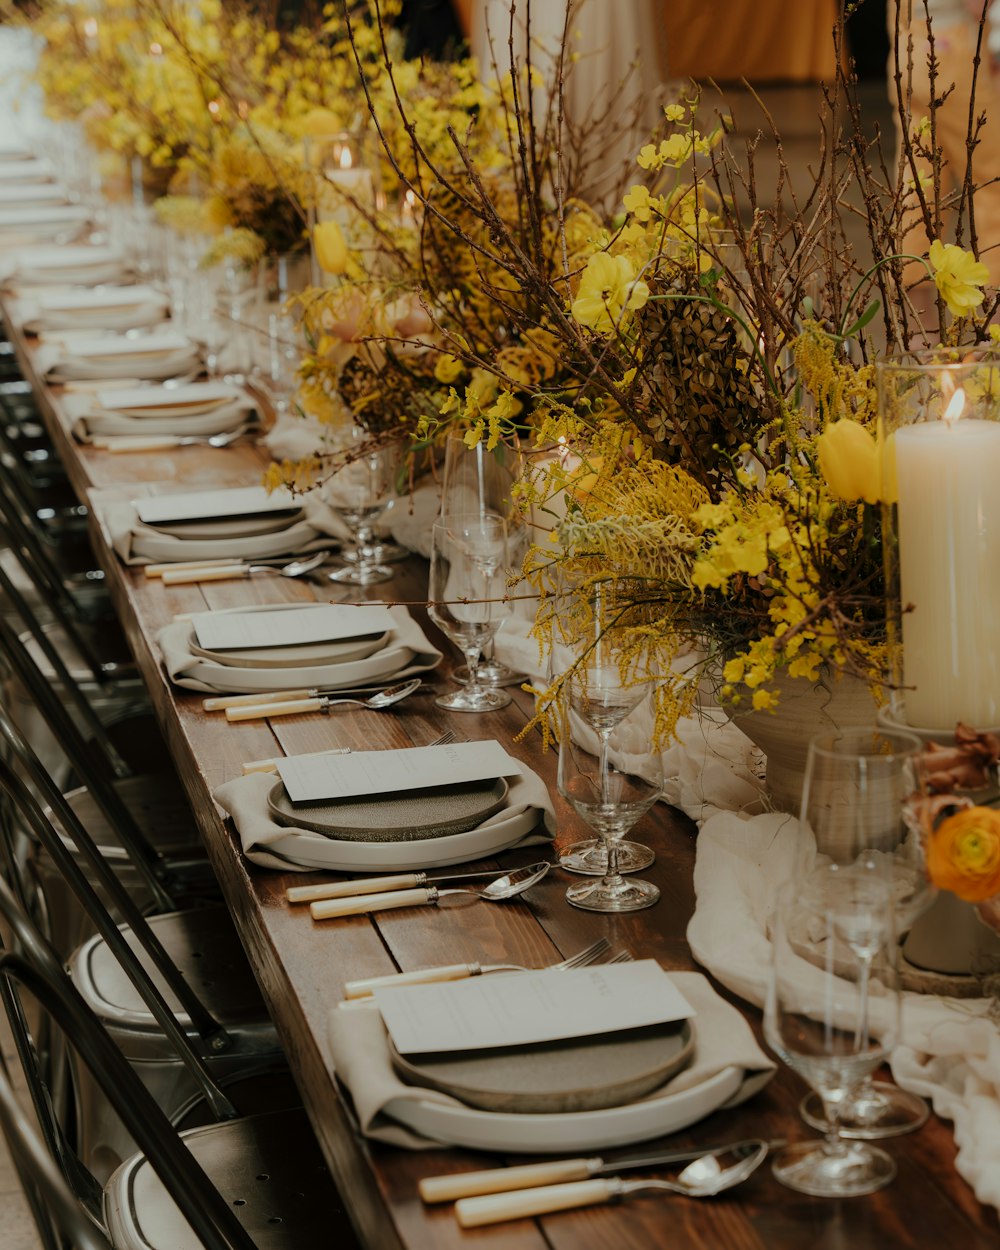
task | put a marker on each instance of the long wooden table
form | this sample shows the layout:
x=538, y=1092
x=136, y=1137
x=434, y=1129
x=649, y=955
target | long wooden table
x=302, y=965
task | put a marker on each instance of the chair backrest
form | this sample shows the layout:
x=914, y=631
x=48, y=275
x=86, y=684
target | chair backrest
x=90, y=756
x=22, y=776
x=35, y=967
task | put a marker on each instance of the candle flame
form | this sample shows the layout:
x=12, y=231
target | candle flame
x=346, y=159
x=155, y=49
x=955, y=408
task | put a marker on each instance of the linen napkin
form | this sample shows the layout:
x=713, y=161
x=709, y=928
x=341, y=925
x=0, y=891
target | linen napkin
x=951, y=1051
x=274, y=846
x=113, y=308
x=89, y=420
x=406, y=653
x=58, y=362
x=137, y=543
x=360, y=1050
x=60, y=264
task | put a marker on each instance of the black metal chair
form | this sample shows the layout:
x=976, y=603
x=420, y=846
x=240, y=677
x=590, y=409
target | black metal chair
x=258, y=1183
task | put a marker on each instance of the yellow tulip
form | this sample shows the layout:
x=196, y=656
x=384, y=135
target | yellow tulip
x=958, y=276
x=963, y=854
x=849, y=460
x=331, y=247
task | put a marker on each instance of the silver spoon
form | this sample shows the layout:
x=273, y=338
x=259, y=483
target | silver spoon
x=230, y=572
x=322, y=703
x=499, y=891
x=703, y=1178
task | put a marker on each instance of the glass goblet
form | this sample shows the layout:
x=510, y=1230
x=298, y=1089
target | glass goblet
x=362, y=496
x=832, y=941
x=481, y=480
x=611, y=799
x=602, y=697
x=858, y=790
x=466, y=592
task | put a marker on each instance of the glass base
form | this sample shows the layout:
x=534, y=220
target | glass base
x=491, y=673
x=482, y=700
x=362, y=575
x=620, y=895
x=384, y=551
x=875, y=1109
x=590, y=857
x=807, y=1168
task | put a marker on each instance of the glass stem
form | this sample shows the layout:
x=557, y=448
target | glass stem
x=833, y=1143
x=603, y=760
x=864, y=979
x=472, y=653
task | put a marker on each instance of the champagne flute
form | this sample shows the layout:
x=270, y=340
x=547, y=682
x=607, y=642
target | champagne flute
x=479, y=480
x=858, y=791
x=468, y=583
x=832, y=1012
x=610, y=799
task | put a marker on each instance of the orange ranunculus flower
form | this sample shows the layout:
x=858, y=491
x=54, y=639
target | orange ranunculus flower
x=963, y=854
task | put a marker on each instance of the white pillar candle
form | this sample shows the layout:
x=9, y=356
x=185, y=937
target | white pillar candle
x=949, y=554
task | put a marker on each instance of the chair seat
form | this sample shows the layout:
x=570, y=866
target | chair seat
x=268, y=1168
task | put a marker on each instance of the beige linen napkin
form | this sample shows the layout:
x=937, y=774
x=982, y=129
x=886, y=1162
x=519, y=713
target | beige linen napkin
x=245, y=799
x=88, y=421
x=34, y=314
x=137, y=543
x=405, y=653
x=951, y=1048
x=56, y=364
x=361, y=1060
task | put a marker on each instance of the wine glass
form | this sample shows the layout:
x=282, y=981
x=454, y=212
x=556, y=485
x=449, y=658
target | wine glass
x=857, y=799
x=468, y=583
x=603, y=692
x=832, y=1012
x=610, y=798
x=364, y=488
x=479, y=480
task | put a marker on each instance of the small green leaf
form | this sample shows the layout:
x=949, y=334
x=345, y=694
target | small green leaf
x=863, y=320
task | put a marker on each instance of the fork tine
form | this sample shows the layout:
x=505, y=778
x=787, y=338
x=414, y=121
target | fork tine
x=447, y=737
x=587, y=956
x=620, y=957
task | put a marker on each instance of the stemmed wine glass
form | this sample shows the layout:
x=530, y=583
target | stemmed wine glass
x=603, y=691
x=478, y=480
x=610, y=798
x=363, y=491
x=857, y=799
x=832, y=1012
x=467, y=588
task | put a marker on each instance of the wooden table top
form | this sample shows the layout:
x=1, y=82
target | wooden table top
x=302, y=965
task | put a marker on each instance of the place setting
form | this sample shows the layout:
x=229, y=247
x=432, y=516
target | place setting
x=69, y=265
x=199, y=528
x=159, y=354
x=542, y=1061
x=26, y=223
x=101, y=307
x=152, y=417
x=391, y=811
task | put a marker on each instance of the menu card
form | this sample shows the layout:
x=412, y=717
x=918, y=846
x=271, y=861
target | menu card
x=524, y=1008
x=313, y=778
x=291, y=627
x=204, y=505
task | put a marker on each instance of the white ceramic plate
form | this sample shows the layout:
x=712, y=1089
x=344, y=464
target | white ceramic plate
x=570, y=1132
x=312, y=850
x=195, y=399
x=125, y=366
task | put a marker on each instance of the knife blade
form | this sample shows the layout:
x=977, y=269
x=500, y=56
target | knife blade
x=554, y=1172
x=400, y=881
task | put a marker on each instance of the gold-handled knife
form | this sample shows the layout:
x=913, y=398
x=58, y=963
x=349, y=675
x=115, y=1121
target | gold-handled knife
x=562, y=1171
x=399, y=881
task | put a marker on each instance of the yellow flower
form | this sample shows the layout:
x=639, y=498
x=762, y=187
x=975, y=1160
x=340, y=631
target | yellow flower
x=958, y=276
x=674, y=112
x=637, y=202
x=963, y=854
x=849, y=460
x=608, y=289
x=448, y=368
x=331, y=247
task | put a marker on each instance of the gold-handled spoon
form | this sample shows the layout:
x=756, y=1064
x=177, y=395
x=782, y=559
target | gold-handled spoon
x=513, y=884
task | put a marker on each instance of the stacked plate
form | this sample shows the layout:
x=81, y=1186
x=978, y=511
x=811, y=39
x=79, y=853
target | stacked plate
x=199, y=408
x=69, y=263
x=99, y=308
x=25, y=171
x=27, y=223
x=34, y=194
x=156, y=355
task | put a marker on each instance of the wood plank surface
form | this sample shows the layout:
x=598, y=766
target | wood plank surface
x=302, y=965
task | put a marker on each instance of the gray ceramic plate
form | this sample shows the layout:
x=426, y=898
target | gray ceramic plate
x=578, y=1074
x=411, y=817
x=339, y=652
x=253, y=525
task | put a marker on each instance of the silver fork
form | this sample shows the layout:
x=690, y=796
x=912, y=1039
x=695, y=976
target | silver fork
x=620, y=957
x=459, y=972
